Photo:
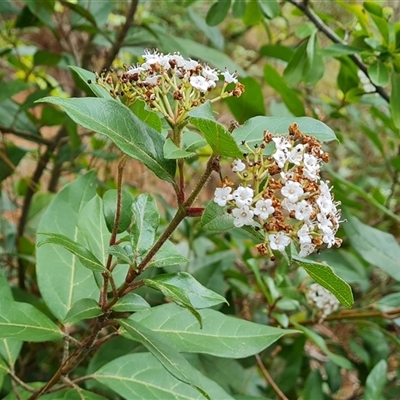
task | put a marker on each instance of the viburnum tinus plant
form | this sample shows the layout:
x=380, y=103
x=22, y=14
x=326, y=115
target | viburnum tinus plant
x=96, y=254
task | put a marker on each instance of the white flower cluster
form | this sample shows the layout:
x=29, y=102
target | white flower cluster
x=322, y=299
x=163, y=77
x=294, y=205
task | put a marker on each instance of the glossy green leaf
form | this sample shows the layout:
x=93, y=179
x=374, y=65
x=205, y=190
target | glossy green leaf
x=83, y=309
x=62, y=279
x=48, y=58
x=147, y=116
x=221, y=335
x=110, y=208
x=238, y=8
x=314, y=67
x=12, y=116
x=216, y=219
x=253, y=130
x=175, y=294
x=85, y=256
x=339, y=49
x=376, y=381
x=313, y=386
x=293, y=73
x=128, y=132
x=395, y=99
x=374, y=246
x=168, y=255
x=217, y=12
x=24, y=322
x=219, y=139
x=277, y=51
x=192, y=141
x=324, y=275
x=131, y=302
x=199, y=296
x=9, y=89
x=144, y=377
x=165, y=353
x=146, y=222
x=250, y=103
x=119, y=252
x=378, y=73
x=88, y=80
x=173, y=152
x=288, y=95
x=320, y=342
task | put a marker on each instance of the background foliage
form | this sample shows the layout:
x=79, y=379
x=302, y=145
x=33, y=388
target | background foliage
x=336, y=61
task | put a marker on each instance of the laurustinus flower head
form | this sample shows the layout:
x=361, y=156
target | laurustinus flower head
x=170, y=84
x=283, y=195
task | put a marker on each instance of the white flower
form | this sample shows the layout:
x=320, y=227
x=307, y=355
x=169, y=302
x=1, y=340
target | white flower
x=243, y=196
x=303, y=234
x=287, y=205
x=278, y=241
x=135, y=70
x=306, y=249
x=281, y=143
x=223, y=195
x=199, y=82
x=303, y=210
x=238, y=166
x=323, y=299
x=229, y=78
x=177, y=58
x=280, y=157
x=328, y=237
x=325, y=204
x=210, y=74
x=191, y=65
x=243, y=216
x=311, y=162
x=152, y=80
x=324, y=188
x=292, y=190
x=296, y=155
x=151, y=57
x=264, y=208
x=312, y=175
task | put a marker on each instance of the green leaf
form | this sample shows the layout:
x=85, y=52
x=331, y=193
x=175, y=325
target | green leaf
x=293, y=73
x=288, y=95
x=168, y=255
x=376, y=380
x=192, y=141
x=339, y=49
x=83, y=309
x=221, y=335
x=47, y=58
x=320, y=342
x=324, y=275
x=250, y=103
x=374, y=246
x=176, y=294
x=147, y=220
x=253, y=14
x=218, y=12
x=131, y=302
x=72, y=394
x=85, y=77
x=62, y=279
x=314, y=67
x=147, y=116
x=277, y=51
x=216, y=219
x=120, y=253
x=270, y=8
x=378, y=73
x=9, y=89
x=165, y=353
x=219, y=139
x=86, y=257
x=25, y=322
x=143, y=377
x=14, y=155
x=128, y=132
x=253, y=130
x=313, y=386
x=172, y=151
x=238, y=8
x=199, y=296
x=395, y=99
x=110, y=208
